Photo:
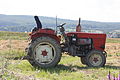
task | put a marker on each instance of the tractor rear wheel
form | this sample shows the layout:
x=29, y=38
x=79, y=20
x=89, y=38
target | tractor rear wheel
x=96, y=58
x=44, y=52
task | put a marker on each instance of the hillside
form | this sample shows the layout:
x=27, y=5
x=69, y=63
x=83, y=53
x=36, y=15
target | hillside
x=21, y=23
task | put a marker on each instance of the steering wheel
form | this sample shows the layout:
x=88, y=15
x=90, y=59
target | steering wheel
x=61, y=25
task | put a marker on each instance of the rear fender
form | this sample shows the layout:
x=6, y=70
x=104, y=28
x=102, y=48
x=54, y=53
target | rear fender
x=35, y=36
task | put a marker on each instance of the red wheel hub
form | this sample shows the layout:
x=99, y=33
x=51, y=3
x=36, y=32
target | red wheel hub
x=95, y=60
x=44, y=53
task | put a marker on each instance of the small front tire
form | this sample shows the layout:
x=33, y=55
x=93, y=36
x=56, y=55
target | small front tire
x=95, y=58
x=83, y=60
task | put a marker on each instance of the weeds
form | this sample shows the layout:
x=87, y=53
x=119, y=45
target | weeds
x=113, y=77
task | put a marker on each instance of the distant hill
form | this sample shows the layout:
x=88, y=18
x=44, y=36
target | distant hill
x=22, y=23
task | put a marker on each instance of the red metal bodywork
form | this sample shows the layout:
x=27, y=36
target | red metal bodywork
x=98, y=39
x=44, y=32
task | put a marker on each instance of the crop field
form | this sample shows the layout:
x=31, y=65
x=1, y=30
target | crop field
x=14, y=67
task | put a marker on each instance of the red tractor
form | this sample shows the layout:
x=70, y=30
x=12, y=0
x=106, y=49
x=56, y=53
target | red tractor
x=46, y=48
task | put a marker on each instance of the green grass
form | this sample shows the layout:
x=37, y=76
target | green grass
x=12, y=54
x=110, y=40
x=69, y=68
x=64, y=70
x=5, y=35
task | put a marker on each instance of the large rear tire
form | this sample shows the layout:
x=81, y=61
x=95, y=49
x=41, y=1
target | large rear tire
x=44, y=52
x=96, y=58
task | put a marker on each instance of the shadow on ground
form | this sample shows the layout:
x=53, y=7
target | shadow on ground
x=112, y=67
x=71, y=68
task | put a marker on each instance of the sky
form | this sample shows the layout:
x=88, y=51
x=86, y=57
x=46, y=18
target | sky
x=95, y=10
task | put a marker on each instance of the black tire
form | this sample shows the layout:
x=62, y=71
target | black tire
x=98, y=61
x=33, y=48
x=83, y=60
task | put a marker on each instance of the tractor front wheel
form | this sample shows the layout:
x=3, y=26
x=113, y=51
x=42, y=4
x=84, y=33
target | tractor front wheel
x=83, y=60
x=96, y=58
x=44, y=52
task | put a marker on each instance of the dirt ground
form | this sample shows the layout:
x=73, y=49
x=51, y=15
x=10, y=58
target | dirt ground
x=13, y=44
x=111, y=48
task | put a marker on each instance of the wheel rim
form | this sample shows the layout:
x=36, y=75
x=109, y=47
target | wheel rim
x=44, y=53
x=95, y=59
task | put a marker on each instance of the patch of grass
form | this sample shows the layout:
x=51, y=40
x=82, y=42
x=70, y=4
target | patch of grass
x=12, y=54
x=5, y=35
x=112, y=55
x=71, y=59
x=117, y=54
x=8, y=76
x=69, y=68
x=64, y=70
x=112, y=40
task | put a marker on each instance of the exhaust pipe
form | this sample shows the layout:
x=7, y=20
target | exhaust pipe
x=78, y=27
x=39, y=25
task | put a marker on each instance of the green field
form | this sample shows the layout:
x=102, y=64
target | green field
x=4, y=35
x=13, y=67
x=112, y=40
